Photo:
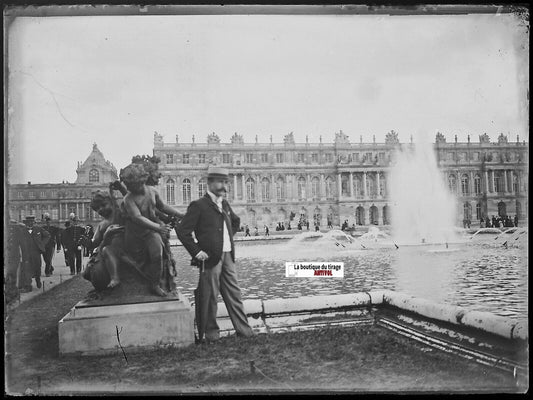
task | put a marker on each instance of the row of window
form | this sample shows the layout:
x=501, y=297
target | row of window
x=303, y=191
x=84, y=212
x=52, y=194
x=498, y=186
x=477, y=156
x=279, y=158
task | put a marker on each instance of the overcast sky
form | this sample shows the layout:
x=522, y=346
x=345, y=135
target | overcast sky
x=115, y=80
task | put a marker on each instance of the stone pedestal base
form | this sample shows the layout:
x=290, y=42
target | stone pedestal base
x=96, y=329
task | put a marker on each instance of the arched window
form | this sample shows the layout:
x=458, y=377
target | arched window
x=374, y=217
x=202, y=187
x=357, y=187
x=317, y=216
x=186, y=188
x=382, y=185
x=280, y=189
x=360, y=215
x=329, y=188
x=477, y=184
x=371, y=186
x=452, y=183
x=467, y=211
x=515, y=183
x=502, y=209
x=479, y=213
x=301, y=188
x=344, y=185
x=250, y=191
x=94, y=175
x=315, y=187
x=385, y=215
x=251, y=217
x=498, y=182
x=265, y=189
x=465, y=182
x=171, y=198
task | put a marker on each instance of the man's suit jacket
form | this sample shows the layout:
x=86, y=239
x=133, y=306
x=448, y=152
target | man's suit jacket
x=55, y=238
x=71, y=237
x=37, y=240
x=204, y=218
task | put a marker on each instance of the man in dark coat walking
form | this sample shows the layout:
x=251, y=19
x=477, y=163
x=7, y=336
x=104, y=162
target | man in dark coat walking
x=72, y=240
x=54, y=242
x=214, y=223
x=35, y=239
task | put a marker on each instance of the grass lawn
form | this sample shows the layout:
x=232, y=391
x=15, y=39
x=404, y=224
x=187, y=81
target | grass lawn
x=335, y=358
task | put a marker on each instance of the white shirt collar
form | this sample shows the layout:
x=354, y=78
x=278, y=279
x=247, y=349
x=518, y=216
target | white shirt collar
x=214, y=197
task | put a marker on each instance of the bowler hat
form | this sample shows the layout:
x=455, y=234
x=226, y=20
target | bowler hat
x=217, y=172
x=29, y=218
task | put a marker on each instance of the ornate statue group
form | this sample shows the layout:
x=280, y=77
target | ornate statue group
x=133, y=237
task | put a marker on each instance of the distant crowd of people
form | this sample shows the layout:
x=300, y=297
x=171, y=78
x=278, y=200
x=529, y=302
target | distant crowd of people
x=31, y=242
x=498, y=222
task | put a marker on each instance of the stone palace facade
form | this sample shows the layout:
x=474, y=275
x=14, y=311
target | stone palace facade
x=61, y=199
x=317, y=182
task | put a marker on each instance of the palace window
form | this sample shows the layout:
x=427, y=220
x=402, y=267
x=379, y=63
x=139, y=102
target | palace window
x=314, y=157
x=477, y=184
x=31, y=195
x=330, y=188
x=452, y=183
x=226, y=158
x=498, y=186
x=186, y=159
x=329, y=157
x=250, y=190
x=55, y=214
x=301, y=157
x=515, y=183
x=381, y=156
x=42, y=195
x=170, y=158
x=265, y=189
x=279, y=157
x=355, y=157
x=202, y=187
x=315, y=187
x=344, y=185
x=280, y=189
x=449, y=156
x=94, y=175
x=301, y=188
x=20, y=195
x=465, y=182
x=186, y=188
x=171, y=198
x=249, y=158
x=357, y=187
x=201, y=158
x=475, y=156
x=264, y=157
x=382, y=185
x=479, y=213
x=467, y=211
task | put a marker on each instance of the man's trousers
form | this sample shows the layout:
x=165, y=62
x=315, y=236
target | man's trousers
x=222, y=279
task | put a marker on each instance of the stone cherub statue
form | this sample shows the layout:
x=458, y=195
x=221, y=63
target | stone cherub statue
x=133, y=257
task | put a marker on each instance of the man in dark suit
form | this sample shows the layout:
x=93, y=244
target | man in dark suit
x=72, y=241
x=36, y=239
x=54, y=242
x=214, y=223
x=14, y=256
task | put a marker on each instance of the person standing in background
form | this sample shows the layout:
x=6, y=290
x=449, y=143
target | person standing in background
x=71, y=240
x=36, y=239
x=54, y=242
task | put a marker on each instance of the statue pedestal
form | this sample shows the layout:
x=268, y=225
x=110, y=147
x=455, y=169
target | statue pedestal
x=93, y=328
